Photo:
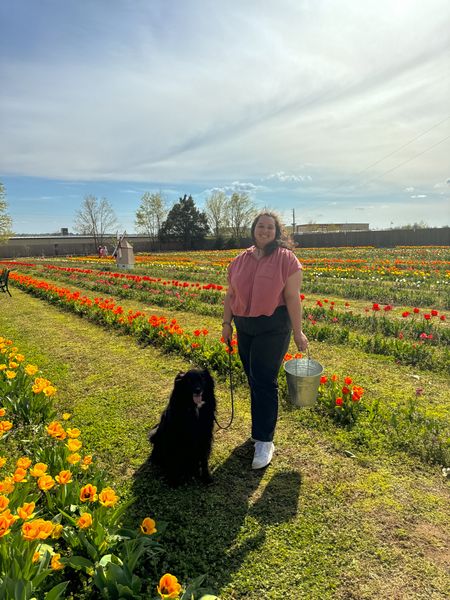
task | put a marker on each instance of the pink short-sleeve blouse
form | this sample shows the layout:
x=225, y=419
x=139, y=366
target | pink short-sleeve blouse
x=258, y=285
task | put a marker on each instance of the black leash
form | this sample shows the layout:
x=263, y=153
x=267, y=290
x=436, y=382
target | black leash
x=231, y=392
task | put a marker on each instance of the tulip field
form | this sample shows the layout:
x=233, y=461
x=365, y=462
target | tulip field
x=355, y=503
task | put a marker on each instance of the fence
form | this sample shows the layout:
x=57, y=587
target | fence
x=388, y=238
x=18, y=247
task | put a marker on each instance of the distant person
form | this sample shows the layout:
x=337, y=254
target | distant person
x=100, y=251
x=263, y=299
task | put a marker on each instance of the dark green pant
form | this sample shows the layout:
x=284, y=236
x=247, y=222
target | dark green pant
x=262, y=343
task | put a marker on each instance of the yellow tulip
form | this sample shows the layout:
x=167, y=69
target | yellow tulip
x=46, y=482
x=108, y=497
x=55, y=563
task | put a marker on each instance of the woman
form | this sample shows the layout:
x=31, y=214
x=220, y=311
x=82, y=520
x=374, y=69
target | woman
x=263, y=299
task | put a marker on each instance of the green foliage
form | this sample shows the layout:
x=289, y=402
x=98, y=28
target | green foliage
x=339, y=508
x=185, y=224
x=339, y=400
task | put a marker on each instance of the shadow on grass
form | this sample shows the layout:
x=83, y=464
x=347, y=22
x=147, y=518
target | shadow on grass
x=210, y=530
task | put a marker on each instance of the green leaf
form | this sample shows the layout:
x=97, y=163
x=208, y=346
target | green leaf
x=20, y=590
x=109, y=558
x=80, y=562
x=57, y=592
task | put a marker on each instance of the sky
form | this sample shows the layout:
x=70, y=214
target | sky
x=338, y=110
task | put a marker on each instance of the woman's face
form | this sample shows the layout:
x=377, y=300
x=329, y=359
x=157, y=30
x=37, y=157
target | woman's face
x=265, y=231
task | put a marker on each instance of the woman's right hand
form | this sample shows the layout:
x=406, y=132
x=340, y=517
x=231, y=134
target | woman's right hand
x=227, y=333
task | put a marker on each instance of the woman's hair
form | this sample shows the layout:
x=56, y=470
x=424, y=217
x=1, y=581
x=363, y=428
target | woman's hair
x=280, y=241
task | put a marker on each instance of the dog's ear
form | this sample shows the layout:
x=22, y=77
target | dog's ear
x=208, y=378
x=180, y=376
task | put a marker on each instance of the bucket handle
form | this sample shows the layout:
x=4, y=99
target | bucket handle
x=307, y=366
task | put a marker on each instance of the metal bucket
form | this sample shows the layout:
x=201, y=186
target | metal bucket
x=303, y=380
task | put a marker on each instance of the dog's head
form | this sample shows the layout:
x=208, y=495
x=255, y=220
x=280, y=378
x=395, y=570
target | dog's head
x=195, y=384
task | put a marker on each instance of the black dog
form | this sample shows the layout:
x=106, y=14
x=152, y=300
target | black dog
x=183, y=438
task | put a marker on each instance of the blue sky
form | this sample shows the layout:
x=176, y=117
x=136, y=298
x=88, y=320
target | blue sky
x=339, y=110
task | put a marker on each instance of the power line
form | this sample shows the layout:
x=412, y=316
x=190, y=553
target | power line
x=394, y=152
x=407, y=161
x=401, y=147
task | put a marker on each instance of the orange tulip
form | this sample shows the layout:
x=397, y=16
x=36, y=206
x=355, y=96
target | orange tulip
x=38, y=470
x=26, y=510
x=6, y=521
x=88, y=493
x=74, y=445
x=31, y=370
x=37, y=529
x=55, y=563
x=73, y=458
x=84, y=521
x=5, y=426
x=168, y=587
x=73, y=433
x=56, y=430
x=148, y=526
x=64, y=477
x=23, y=462
x=20, y=475
x=7, y=485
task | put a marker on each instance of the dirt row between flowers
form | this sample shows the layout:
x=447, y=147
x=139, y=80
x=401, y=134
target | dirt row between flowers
x=316, y=523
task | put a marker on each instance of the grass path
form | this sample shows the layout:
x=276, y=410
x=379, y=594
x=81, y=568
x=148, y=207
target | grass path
x=315, y=524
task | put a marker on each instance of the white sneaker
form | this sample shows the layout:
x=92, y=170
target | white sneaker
x=263, y=454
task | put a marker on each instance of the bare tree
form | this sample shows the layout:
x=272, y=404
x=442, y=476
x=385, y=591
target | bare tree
x=217, y=211
x=5, y=219
x=97, y=218
x=150, y=215
x=242, y=211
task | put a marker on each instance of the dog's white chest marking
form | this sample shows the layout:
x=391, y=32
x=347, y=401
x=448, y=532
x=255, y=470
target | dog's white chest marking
x=198, y=400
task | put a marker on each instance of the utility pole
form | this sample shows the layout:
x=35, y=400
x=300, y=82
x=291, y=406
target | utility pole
x=293, y=221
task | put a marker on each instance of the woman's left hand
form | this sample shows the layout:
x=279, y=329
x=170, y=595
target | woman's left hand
x=301, y=341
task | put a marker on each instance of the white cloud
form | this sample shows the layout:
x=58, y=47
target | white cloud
x=285, y=177
x=173, y=96
x=419, y=196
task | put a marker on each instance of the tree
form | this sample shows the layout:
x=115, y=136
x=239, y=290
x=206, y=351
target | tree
x=150, y=215
x=242, y=212
x=420, y=225
x=185, y=224
x=5, y=219
x=96, y=217
x=217, y=211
